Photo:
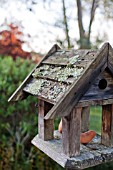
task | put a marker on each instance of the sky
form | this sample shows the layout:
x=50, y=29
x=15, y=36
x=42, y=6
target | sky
x=44, y=35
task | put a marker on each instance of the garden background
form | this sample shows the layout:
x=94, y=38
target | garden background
x=23, y=42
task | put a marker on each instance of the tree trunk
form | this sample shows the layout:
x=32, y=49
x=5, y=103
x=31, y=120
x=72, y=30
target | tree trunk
x=92, y=14
x=66, y=25
x=85, y=36
x=80, y=24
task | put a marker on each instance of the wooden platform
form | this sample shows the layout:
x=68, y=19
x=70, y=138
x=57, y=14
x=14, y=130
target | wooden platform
x=91, y=154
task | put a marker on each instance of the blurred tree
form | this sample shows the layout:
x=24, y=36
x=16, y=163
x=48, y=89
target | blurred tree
x=65, y=22
x=61, y=25
x=11, y=43
x=83, y=8
x=85, y=36
x=106, y=7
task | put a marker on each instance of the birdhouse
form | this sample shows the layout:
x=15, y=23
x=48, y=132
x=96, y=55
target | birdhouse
x=67, y=83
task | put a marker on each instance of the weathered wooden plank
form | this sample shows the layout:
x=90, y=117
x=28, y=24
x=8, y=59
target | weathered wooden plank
x=46, y=99
x=52, y=148
x=72, y=57
x=100, y=153
x=49, y=90
x=101, y=88
x=90, y=155
x=71, y=129
x=80, y=63
x=64, y=57
x=85, y=119
x=71, y=98
x=51, y=78
x=107, y=125
x=99, y=102
x=58, y=73
x=45, y=127
x=110, y=59
x=107, y=154
x=92, y=158
x=16, y=94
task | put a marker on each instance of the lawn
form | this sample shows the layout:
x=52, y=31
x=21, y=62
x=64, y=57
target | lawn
x=96, y=118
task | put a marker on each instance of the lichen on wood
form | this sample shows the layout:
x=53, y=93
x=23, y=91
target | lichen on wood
x=73, y=59
x=47, y=89
x=34, y=86
x=57, y=72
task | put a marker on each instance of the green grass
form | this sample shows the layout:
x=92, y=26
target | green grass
x=96, y=118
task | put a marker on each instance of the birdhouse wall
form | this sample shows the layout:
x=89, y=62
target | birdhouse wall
x=101, y=88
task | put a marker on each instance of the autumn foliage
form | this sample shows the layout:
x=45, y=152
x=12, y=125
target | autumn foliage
x=11, y=43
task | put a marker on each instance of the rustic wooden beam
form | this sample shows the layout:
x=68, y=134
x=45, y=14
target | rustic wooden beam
x=100, y=102
x=85, y=116
x=71, y=129
x=45, y=127
x=110, y=59
x=107, y=125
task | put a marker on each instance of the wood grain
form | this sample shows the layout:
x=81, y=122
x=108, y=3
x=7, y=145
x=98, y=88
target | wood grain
x=71, y=129
x=45, y=127
x=50, y=91
x=95, y=93
x=85, y=119
x=99, y=102
x=107, y=125
x=62, y=57
x=110, y=59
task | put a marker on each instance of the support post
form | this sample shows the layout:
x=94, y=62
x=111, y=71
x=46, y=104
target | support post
x=107, y=125
x=85, y=116
x=71, y=129
x=45, y=127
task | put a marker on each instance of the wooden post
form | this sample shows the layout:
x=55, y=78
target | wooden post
x=71, y=129
x=107, y=125
x=45, y=127
x=85, y=116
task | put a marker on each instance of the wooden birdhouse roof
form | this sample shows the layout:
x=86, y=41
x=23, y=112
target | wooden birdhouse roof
x=63, y=76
